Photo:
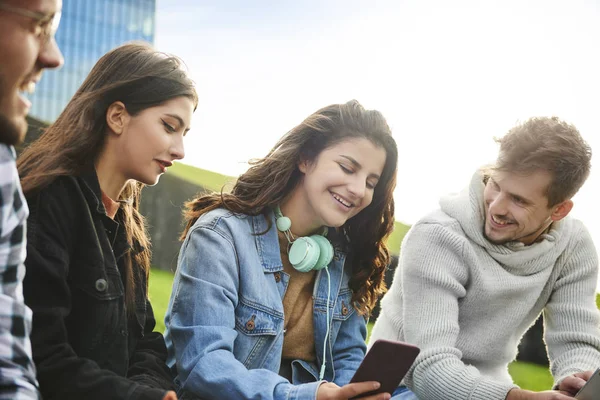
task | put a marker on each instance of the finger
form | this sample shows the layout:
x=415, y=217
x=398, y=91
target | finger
x=170, y=396
x=584, y=375
x=354, y=389
x=563, y=396
x=379, y=396
x=571, y=384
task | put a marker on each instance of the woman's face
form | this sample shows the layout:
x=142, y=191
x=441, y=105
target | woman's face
x=340, y=183
x=153, y=139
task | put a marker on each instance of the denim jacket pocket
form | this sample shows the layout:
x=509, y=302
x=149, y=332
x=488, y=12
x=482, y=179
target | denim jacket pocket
x=343, y=307
x=259, y=328
x=98, y=283
x=98, y=308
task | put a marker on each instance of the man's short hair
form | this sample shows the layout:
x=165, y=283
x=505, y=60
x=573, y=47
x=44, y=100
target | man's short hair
x=549, y=144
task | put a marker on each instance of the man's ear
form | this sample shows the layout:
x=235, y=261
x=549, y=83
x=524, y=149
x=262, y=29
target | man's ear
x=117, y=117
x=561, y=210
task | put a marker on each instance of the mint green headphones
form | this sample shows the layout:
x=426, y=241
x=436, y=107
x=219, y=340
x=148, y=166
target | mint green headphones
x=306, y=253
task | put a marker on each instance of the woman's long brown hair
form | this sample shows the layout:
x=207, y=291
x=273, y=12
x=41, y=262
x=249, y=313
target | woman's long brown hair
x=270, y=179
x=136, y=75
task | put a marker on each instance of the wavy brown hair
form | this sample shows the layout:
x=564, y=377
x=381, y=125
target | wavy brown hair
x=269, y=180
x=139, y=77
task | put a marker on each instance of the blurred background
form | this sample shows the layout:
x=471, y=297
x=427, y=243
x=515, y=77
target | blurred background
x=448, y=76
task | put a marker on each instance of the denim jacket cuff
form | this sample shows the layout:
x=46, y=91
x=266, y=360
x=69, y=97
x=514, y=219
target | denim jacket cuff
x=306, y=391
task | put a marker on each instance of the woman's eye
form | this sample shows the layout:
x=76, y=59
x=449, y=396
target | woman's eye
x=346, y=170
x=371, y=185
x=168, y=127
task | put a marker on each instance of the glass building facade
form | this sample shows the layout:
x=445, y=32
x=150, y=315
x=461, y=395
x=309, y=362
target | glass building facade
x=88, y=29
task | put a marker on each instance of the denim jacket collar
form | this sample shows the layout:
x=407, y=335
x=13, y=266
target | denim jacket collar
x=92, y=186
x=267, y=244
x=115, y=230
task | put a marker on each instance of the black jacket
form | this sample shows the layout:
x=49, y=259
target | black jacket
x=84, y=344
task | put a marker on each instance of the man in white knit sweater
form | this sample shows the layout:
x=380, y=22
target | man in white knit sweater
x=474, y=275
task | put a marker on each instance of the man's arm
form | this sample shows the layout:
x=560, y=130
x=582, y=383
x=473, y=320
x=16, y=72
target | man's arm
x=17, y=373
x=433, y=277
x=571, y=317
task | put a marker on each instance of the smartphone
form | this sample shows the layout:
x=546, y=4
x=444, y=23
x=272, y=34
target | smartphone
x=386, y=362
x=591, y=390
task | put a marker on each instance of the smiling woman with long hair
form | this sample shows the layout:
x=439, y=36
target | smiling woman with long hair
x=88, y=252
x=275, y=280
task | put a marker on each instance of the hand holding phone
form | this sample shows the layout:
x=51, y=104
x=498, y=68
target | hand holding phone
x=591, y=390
x=386, y=362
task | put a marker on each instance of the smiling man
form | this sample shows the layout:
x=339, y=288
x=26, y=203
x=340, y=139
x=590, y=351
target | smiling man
x=27, y=47
x=475, y=274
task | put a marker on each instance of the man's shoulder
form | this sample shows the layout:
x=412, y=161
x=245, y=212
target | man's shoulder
x=439, y=228
x=13, y=207
x=439, y=221
x=7, y=153
x=8, y=167
x=575, y=233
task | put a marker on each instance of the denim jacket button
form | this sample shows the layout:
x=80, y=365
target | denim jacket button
x=344, y=309
x=101, y=285
x=277, y=277
x=250, y=324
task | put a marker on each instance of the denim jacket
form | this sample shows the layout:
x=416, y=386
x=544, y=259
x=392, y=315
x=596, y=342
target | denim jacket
x=85, y=346
x=225, y=316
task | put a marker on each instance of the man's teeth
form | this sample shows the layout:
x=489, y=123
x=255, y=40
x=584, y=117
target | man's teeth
x=338, y=198
x=499, y=222
x=28, y=87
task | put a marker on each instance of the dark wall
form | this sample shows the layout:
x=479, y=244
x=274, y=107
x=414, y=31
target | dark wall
x=162, y=205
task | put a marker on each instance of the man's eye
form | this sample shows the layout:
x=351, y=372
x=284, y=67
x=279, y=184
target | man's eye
x=43, y=28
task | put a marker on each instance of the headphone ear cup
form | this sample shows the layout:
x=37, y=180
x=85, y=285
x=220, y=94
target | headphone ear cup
x=325, y=251
x=304, y=254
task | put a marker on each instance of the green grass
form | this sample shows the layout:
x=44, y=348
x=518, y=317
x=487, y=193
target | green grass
x=159, y=290
x=214, y=181
x=210, y=180
x=531, y=376
x=526, y=375
x=395, y=239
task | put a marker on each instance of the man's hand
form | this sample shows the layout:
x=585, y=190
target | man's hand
x=331, y=391
x=171, y=395
x=520, y=394
x=573, y=383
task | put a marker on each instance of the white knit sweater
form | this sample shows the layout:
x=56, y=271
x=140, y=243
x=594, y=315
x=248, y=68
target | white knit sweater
x=467, y=302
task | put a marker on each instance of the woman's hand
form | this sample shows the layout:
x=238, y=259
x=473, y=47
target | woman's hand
x=331, y=391
x=171, y=395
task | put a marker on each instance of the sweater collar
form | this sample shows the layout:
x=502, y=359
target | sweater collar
x=467, y=207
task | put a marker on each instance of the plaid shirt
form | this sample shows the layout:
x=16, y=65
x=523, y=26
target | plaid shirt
x=17, y=372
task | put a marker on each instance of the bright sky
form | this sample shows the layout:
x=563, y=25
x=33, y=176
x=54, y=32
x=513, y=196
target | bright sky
x=448, y=75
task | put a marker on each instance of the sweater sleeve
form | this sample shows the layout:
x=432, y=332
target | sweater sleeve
x=433, y=279
x=571, y=317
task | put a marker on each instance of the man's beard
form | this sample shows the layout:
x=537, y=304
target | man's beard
x=10, y=133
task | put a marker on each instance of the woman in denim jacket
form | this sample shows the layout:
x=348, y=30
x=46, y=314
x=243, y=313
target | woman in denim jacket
x=243, y=322
x=87, y=251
